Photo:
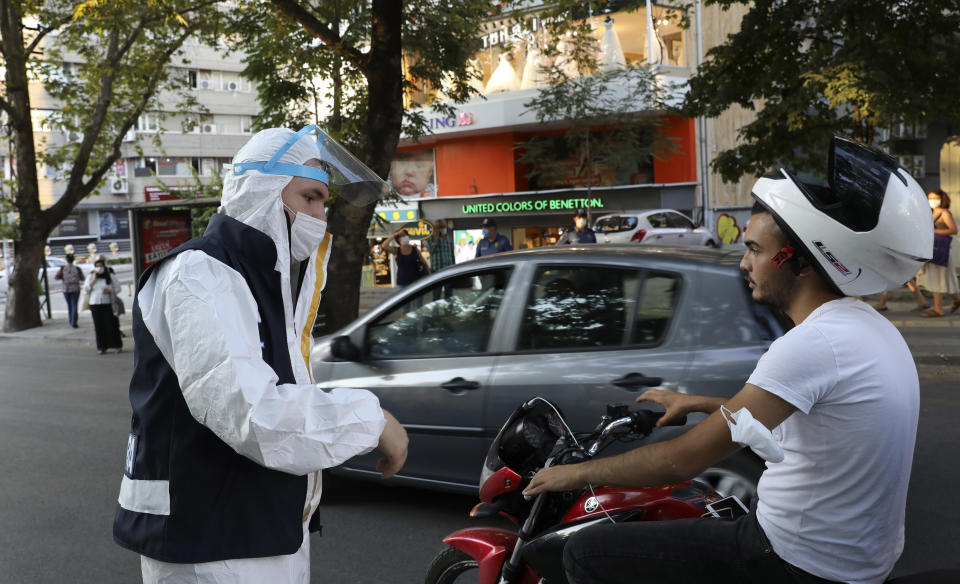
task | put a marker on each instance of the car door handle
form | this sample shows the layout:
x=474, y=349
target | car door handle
x=634, y=380
x=459, y=383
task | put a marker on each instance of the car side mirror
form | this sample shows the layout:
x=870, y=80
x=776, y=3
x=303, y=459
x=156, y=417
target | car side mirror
x=342, y=348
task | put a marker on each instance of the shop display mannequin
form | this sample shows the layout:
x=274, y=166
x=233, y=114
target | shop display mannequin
x=611, y=54
x=505, y=77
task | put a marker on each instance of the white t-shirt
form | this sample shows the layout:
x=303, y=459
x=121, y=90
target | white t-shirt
x=835, y=505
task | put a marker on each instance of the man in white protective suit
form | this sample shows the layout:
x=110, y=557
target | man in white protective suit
x=229, y=431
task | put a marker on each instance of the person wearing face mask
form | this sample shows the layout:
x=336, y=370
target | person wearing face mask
x=230, y=431
x=581, y=234
x=939, y=275
x=103, y=288
x=411, y=265
x=832, y=406
x=440, y=246
x=492, y=242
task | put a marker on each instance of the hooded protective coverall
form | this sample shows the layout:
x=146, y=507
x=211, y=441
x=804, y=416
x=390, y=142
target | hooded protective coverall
x=203, y=317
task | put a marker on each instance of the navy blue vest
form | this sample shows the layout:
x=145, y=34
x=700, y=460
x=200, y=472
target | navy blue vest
x=222, y=505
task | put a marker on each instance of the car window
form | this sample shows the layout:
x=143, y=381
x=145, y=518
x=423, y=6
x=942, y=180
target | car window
x=657, y=220
x=590, y=307
x=678, y=221
x=655, y=308
x=615, y=224
x=453, y=317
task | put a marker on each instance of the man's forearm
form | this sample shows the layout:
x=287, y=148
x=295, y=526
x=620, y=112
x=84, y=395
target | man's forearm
x=707, y=404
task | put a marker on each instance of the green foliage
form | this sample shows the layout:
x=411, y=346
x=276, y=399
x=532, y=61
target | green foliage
x=829, y=67
x=613, y=118
x=302, y=78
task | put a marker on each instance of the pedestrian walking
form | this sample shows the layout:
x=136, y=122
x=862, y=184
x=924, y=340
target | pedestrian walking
x=440, y=246
x=72, y=278
x=492, y=242
x=939, y=275
x=411, y=265
x=103, y=288
x=580, y=234
x=918, y=296
x=230, y=432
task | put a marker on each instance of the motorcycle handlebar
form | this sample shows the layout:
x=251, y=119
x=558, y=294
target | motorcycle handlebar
x=640, y=421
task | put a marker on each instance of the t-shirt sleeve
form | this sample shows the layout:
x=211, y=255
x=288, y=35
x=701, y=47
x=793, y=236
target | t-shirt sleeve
x=800, y=367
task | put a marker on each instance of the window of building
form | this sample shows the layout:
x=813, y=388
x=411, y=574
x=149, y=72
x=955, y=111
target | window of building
x=148, y=123
x=512, y=54
x=206, y=79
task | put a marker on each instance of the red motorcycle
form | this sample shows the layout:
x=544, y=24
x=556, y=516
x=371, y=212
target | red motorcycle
x=534, y=437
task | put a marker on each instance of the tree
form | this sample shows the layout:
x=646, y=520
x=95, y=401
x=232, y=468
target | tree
x=613, y=119
x=829, y=67
x=122, y=49
x=362, y=55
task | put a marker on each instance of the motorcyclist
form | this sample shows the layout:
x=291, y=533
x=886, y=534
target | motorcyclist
x=229, y=430
x=840, y=392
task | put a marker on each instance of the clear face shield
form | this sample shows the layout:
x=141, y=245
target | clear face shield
x=345, y=176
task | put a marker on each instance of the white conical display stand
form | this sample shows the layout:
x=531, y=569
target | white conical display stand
x=533, y=73
x=504, y=78
x=475, y=70
x=611, y=53
x=565, y=61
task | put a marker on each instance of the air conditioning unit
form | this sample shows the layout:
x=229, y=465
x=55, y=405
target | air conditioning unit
x=208, y=128
x=131, y=135
x=119, y=186
x=233, y=86
x=205, y=84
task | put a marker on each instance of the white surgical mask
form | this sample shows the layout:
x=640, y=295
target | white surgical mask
x=100, y=269
x=404, y=240
x=442, y=231
x=306, y=233
x=745, y=430
x=934, y=203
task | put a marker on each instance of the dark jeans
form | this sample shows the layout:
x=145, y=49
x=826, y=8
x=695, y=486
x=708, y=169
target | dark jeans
x=72, y=298
x=678, y=552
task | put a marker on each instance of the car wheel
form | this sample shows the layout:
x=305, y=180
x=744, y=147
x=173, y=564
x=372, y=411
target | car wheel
x=736, y=475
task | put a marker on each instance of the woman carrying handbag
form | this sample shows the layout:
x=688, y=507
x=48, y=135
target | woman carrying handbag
x=939, y=275
x=103, y=288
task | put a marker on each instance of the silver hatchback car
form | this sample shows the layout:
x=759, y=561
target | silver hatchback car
x=453, y=355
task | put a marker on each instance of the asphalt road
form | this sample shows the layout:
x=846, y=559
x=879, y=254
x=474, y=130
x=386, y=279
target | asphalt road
x=64, y=418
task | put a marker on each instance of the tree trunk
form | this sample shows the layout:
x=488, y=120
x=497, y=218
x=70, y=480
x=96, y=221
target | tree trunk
x=23, y=305
x=348, y=224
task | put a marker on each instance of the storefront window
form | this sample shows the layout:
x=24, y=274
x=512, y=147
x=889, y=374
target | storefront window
x=514, y=57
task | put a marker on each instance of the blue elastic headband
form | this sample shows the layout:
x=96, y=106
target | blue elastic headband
x=273, y=166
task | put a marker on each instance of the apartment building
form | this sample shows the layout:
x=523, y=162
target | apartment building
x=200, y=143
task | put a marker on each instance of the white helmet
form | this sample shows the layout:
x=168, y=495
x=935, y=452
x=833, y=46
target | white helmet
x=868, y=231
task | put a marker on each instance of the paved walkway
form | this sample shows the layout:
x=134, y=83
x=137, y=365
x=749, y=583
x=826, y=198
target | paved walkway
x=932, y=340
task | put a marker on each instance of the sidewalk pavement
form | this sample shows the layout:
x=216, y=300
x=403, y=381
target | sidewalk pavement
x=57, y=329
x=933, y=341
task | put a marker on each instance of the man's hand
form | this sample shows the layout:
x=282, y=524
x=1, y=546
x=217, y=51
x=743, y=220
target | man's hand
x=678, y=405
x=557, y=478
x=393, y=444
